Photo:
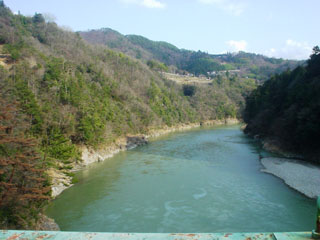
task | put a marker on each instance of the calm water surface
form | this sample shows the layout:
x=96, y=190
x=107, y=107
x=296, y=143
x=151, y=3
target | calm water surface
x=205, y=180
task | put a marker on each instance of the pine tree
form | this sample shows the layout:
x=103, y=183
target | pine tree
x=23, y=187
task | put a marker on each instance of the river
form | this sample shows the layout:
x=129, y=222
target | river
x=203, y=180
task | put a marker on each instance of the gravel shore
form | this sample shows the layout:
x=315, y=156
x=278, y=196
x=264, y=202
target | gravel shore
x=302, y=176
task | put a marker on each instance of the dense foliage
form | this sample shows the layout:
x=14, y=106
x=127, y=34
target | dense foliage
x=23, y=185
x=250, y=65
x=286, y=109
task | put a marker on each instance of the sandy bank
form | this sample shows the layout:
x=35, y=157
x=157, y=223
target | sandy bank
x=301, y=176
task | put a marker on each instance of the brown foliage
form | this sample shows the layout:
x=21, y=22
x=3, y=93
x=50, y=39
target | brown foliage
x=22, y=181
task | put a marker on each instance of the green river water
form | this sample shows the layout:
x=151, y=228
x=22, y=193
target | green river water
x=203, y=180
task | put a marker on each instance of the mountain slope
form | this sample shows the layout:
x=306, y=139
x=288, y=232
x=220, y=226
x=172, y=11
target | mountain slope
x=286, y=109
x=250, y=65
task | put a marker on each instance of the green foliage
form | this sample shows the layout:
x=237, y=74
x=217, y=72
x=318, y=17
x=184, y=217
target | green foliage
x=14, y=50
x=54, y=70
x=163, y=51
x=161, y=104
x=91, y=127
x=286, y=108
x=202, y=63
x=57, y=146
x=38, y=18
x=159, y=66
x=29, y=106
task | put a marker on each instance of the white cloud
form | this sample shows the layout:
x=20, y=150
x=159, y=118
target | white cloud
x=233, y=7
x=153, y=4
x=291, y=49
x=211, y=1
x=146, y=3
x=236, y=46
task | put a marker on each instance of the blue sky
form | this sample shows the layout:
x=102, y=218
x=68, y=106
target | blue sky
x=279, y=28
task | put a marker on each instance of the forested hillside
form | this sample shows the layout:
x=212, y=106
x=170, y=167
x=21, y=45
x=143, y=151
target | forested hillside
x=250, y=65
x=286, y=109
x=62, y=92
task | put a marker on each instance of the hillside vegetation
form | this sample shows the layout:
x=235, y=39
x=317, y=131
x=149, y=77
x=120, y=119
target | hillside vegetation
x=63, y=92
x=253, y=66
x=286, y=109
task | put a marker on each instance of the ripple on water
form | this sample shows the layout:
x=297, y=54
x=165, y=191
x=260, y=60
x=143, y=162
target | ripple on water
x=202, y=194
x=200, y=181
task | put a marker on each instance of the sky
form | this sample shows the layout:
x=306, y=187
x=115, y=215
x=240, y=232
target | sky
x=286, y=29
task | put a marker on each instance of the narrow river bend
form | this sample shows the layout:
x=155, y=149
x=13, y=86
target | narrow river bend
x=204, y=180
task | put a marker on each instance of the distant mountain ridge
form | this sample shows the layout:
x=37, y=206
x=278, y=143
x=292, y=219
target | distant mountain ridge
x=251, y=65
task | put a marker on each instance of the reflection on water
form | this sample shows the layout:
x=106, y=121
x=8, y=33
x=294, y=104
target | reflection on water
x=205, y=180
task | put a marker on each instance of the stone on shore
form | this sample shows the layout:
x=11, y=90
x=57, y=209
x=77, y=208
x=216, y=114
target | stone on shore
x=301, y=176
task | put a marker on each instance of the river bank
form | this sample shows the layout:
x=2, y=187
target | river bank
x=61, y=181
x=298, y=174
x=89, y=155
x=180, y=183
x=301, y=176
x=274, y=146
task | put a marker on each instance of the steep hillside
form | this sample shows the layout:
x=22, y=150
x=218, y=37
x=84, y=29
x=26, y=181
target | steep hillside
x=286, y=110
x=65, y=93
x=250, y=65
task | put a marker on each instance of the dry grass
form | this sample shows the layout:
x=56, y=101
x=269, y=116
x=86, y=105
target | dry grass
x=4, y=58
x=182, y=79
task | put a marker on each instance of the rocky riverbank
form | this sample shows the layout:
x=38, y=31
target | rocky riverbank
x=297, y=174
x=61, y=181
x=46, y=224
x=274, y=147
x=301, y=176
x=182, y=127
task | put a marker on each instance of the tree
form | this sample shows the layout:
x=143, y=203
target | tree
x=23, y=185
x=189, y=90
x=38, y=18
x=314, y=62
x=159, y=66
x=286, y=109
x=316, y=50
